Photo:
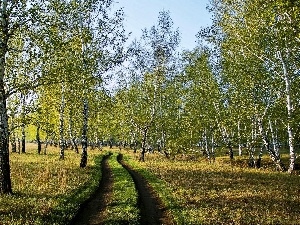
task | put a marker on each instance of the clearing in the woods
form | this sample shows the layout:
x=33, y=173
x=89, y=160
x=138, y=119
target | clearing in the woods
x=116, y=188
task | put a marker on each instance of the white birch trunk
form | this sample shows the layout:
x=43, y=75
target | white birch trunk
x=228, y=142
x=274, y=139
x=289, y=112
x=84, y=141
x=23, y=124
x=71, y=135
x=206, y=145
x=38, y=139
x=61, y=127
x=251, y=146
x=19, y=145
x=275, y=158
x=213, y=147
x=239, y=137
x=46, y=144
x=5, y=181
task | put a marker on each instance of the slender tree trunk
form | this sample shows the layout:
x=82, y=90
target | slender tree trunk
x=275, y=158
x=289, y=107
x=84, y=141
x=5, y=181
x=23, y=139
x=61, y=127
x=258, y=161
x=251, y=162
x=228, y=142
x=206, y=145
x=213, y=148
x=133, y=142
x=38, y=139
x=72, y=138
x=143, y=152
x=229, y=145
x=13, y=135
x=13, y=142
x=46, y=145
x=251, y=144
x=239, y=137
x=19, y=145
x=23, y=123
x=134, y=146
x=163, y=145
x=274, y=139
x=110, y=143
x=144, y=141
x=99, y=144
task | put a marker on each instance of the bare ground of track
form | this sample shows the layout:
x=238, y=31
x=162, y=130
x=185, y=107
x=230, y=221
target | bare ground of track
x=92, y=211
x=153, y=212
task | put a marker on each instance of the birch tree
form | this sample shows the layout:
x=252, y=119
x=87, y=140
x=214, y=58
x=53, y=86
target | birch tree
x=261, y=37
x=102, y=36
x=16, y=18
x=152, y=64
x=202, y=100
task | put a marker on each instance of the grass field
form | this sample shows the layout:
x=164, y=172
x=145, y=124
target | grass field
x=197, y=192
x=48, y=190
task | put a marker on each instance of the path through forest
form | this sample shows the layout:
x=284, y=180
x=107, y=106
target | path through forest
x=151, y=207
x=152, y=210
x=92, y=211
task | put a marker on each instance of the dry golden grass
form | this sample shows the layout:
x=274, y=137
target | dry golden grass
x=48, y=190
x=223, y=193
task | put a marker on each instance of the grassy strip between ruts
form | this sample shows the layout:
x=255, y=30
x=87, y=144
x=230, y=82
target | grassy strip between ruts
x=48, y=190
x=123, y=208
x=223, y=193
x=160, y=187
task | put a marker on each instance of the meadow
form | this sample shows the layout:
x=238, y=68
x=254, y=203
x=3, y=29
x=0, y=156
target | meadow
x=47, y=190
x=224, y=192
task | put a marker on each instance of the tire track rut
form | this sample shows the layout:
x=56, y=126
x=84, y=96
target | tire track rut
x=92, y=211
x=151, y=207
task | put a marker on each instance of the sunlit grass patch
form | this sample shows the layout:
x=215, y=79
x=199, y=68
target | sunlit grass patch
x=266, y=162
x=48, y=190
x=223, y=193
x=161, y=187
x=123, y=208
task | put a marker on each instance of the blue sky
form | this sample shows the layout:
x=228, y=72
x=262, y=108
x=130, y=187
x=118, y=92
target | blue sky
x=188, y=15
